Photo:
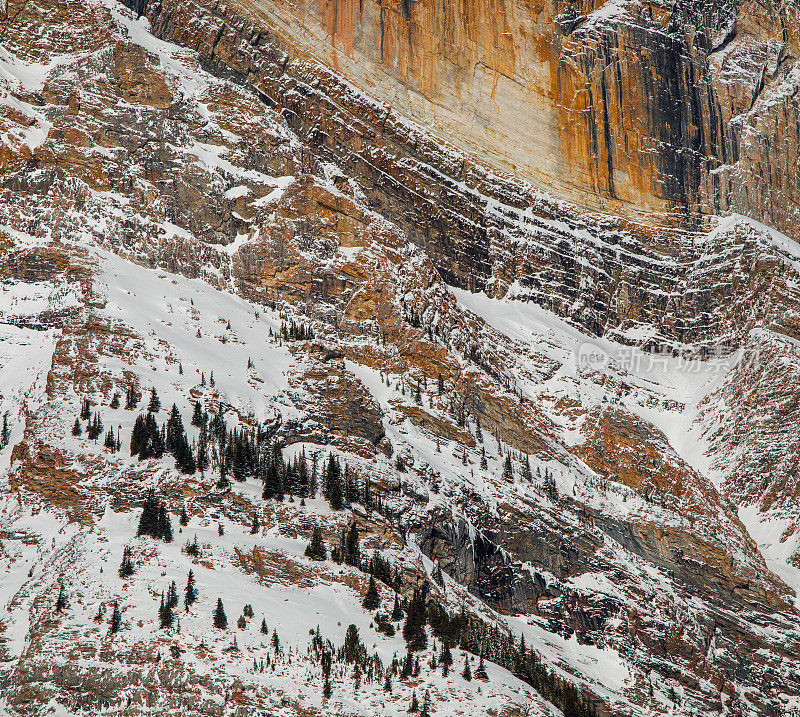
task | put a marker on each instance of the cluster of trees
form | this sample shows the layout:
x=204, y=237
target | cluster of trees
x=352, y=656
x=473, y=635
x=94, y=425
x=166, y=611
x=112, y=441
x=155, y=520
x=295, y=332
x=148, y=440
x=341, y=488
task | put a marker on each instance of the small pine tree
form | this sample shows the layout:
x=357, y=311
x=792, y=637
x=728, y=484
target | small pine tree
x=77, y=429
x=197, y=416
x=480, y=673
x=397, y=610
x=116, y=619
x=184, y=519
x=114, y=400
x=131, y=399
x=426, y=705
x=508, y=470
x=61, y=600
x=220, y=618
x=372, y=599
x=264, y=628
x=466, y=673
x=190, y=591
x=241, y=622
x=155, y=402
x=527, y=475
x=255, y=526
x=316, y=548
x=165, y=615
x=5, y=432
x=126, y=568
x=172, y=595
x=414, y=706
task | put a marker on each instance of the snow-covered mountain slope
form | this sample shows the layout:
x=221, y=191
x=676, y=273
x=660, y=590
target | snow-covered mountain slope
x=531, y=463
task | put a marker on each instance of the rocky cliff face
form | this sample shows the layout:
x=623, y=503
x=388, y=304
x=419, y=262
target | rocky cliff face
x=664, y=109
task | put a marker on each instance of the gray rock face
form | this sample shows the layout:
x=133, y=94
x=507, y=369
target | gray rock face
x=486, y=230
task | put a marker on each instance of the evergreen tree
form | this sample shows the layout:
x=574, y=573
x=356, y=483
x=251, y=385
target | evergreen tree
x=352, y=554
x=414, y=627
x=550, y=489
x=95, y=427
x=336, y=496
x=397, y=611
x=480, y=673
x=116, y=618
x=255, y=527
x=114, y=400
x=184, y=519
x=131, y=399
x=527, y=475
x=147, y=440
x=466, y=673
x=264, y=628
x=190, y=591
x=426, y=705
x=446, y=658
x=126, y=568
x=76, y=427
x=241, y=623
x=154, y=520
x=352, y=649
x=414, y=706
x=438, y=575
x=138, y=435
x=197, y=416
x=273, y=486
x=508, y=470
x=202, y=450
x=164, y=525
x=165, y=615
x=372, y=599
x=316, y=548
x=86, y=410
x=61, y=600
x=172, y=595
x=220, y=618
x=174, y=430
x=155, y=402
